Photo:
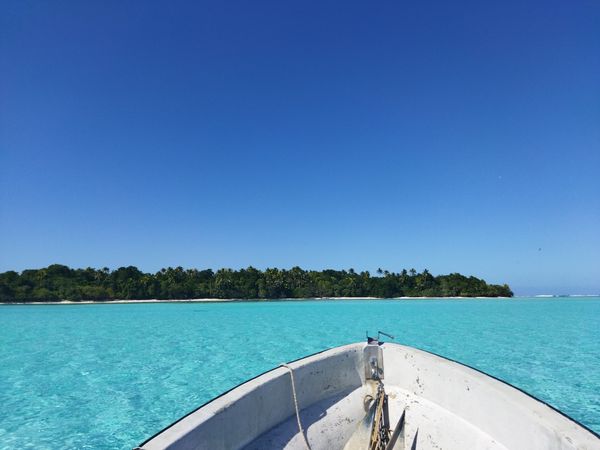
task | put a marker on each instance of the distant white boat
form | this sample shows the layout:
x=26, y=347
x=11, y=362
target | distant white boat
x=345, y=399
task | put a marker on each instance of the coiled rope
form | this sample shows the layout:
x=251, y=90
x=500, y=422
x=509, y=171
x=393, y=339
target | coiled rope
x=380, y=433
x=288, y=367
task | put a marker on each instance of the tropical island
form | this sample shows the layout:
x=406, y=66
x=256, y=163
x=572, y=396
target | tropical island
x=57, y=283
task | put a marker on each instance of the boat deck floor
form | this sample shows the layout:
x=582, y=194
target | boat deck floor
x=332, y=423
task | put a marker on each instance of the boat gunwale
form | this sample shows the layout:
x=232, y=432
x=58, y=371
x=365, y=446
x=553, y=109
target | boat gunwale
x=565, y=415
x=140, y=446
x=231, y=389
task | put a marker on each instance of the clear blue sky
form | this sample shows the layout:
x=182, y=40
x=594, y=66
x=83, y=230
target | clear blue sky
x=455, y=136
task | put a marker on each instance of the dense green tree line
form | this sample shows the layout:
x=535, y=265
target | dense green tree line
x=58, y=282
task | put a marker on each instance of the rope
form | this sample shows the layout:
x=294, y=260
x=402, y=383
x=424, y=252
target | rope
x=288, y=367
x=379, y=432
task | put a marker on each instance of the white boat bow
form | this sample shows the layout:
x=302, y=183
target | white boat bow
x=446, y=405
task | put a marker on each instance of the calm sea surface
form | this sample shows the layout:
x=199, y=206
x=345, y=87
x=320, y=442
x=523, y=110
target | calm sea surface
x=108, y=376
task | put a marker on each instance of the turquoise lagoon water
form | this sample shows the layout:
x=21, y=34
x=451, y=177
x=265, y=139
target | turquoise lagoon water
x=108, y=376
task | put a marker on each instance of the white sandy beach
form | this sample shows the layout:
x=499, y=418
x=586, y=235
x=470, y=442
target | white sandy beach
x=221, y=300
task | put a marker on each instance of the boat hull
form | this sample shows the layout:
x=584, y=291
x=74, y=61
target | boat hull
x=448, y=405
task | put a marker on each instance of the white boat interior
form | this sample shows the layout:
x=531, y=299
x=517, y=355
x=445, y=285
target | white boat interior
x=374, y=396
